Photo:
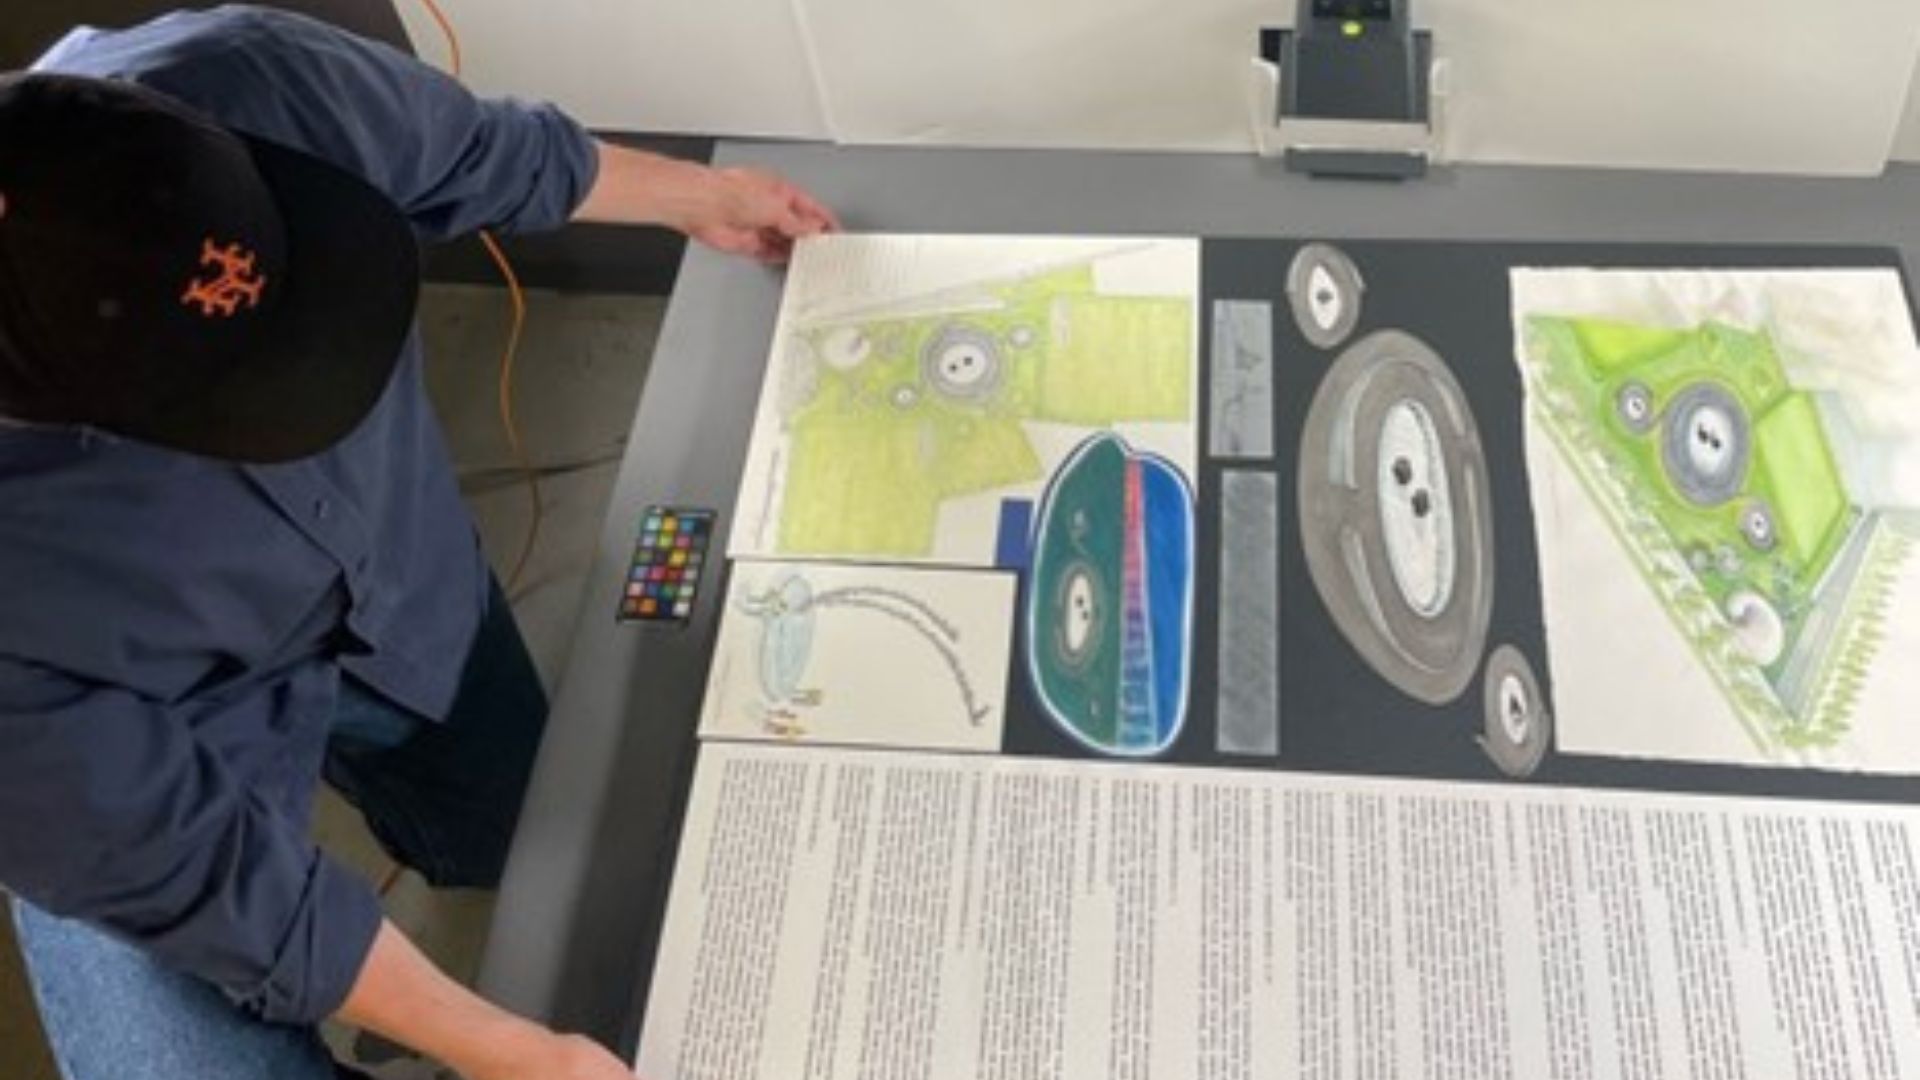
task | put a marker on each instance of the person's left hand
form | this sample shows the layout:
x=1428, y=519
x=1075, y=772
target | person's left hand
x=754, y=213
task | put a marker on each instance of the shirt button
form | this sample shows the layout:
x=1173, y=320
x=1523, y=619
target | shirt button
x=321, y=508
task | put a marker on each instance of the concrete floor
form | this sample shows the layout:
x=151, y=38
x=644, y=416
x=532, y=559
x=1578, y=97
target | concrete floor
x=581, y=366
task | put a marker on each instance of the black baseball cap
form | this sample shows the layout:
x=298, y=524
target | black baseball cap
x=168, y=280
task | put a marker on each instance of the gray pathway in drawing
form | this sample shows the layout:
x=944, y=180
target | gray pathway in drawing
x=1242, y=380
x=1249, y=701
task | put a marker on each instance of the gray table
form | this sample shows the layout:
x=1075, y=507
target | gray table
x=585, y=891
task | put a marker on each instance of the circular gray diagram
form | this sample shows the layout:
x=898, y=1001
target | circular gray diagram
x=1634, y=403
x=962, y=362
x=1324, y=287
x=1519, y=726
x=1394, y=515
x=1704, y=447
x=1756, y=524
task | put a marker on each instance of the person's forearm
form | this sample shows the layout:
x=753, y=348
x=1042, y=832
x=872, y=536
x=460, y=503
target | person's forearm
x=739, y=210
x=635, y=187
x=401, y=995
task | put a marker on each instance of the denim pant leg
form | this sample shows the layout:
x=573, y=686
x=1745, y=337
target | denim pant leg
x=444, y=798
x=111, y=1013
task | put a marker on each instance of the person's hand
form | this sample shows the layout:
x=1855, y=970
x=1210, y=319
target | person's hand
x=548, y=1056
x=401, y=995
x=754, y=213
x=741, y=211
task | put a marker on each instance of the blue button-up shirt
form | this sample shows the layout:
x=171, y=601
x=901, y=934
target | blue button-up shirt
x=173, y=629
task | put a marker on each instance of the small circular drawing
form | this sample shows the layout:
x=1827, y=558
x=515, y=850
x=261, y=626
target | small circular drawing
x=1756, y=524
x=1634, y=403
x=1324, y=288
x=1518, y=726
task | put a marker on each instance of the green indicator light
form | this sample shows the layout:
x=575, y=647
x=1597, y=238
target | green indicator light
x=1352, y=28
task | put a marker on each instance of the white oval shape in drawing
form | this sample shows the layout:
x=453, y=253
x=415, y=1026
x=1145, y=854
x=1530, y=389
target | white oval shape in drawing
x=1710, y=447
x=1416, y=508
x=1079, y=618
x=1516, y=709
x=964, y=364
x=1324, y=290
x=1758, y=628
x=1325, y=301
x=845, y=347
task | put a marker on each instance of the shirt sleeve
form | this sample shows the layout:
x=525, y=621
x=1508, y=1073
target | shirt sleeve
x=453, y=162
x=159, y=844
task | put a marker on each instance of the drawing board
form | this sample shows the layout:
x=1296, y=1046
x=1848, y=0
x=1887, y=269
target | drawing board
x=1314, y=527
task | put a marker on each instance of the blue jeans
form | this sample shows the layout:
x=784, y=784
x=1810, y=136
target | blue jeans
x=441, y=798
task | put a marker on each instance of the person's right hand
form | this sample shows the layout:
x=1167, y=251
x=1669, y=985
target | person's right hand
x=547, y=1055
x=401, y=995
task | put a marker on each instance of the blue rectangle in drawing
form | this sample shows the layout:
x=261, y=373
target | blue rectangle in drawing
x=1013, y=548
x=1168, y=512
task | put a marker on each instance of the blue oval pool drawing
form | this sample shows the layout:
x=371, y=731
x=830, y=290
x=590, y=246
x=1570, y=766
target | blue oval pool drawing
x=1109, y=605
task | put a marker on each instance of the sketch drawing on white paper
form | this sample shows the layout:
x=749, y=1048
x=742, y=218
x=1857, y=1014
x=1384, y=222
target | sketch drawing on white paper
x=862, y=655
x=1750, y=444
x=916, y=383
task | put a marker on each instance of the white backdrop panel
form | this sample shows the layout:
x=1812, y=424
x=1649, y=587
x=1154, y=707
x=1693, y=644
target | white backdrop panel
x=1906, y=145
x=1808, y=86
x=721, y=67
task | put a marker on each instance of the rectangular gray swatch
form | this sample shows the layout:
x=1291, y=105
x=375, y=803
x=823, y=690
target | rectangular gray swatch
x=1249, y=703
x=1242, y=383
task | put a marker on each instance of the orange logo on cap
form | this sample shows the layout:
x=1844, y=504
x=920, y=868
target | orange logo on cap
x=233, y=284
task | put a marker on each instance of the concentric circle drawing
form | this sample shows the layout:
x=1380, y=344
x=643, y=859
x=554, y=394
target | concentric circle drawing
x=1519, y=725
x=1705, y=446
x=1394, y=515
x=961, y=362
x=1634, y=403
x=1324, y=288
x=1756, y=524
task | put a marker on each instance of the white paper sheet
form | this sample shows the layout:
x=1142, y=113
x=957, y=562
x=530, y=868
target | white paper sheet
x=862, y=655
x=1628, y=679
x=929, y=378
x=839, y=915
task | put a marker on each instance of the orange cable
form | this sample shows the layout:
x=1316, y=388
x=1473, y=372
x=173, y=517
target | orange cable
x=519, y=302
x=453, y=39
x=520, y=457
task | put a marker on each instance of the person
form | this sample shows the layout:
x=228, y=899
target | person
x=233, y=556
